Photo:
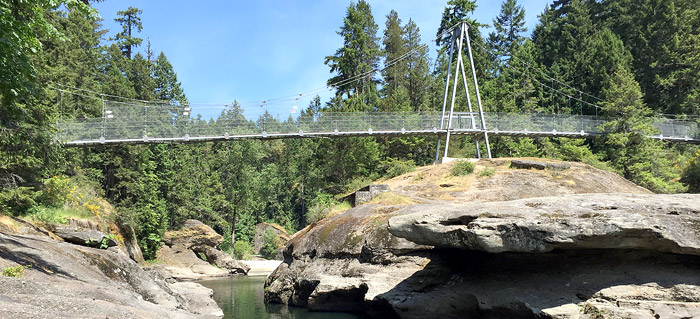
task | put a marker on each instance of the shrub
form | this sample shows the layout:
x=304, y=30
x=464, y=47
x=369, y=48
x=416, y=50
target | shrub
x=393, y=167
x=54, y=191
x=242, y=250
x=691, y=173
x=319, y=207
x=487, y=172
x=462, y=168
x=270, y=244
x=17, y=201
x=16, y=271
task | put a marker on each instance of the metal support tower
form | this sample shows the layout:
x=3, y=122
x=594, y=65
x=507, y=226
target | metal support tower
x=459, y=33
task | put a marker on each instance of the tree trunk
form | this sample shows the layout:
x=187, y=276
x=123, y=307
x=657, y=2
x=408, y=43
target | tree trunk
x=233, y=229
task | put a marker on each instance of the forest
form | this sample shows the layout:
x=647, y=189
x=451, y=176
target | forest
x=629, y=61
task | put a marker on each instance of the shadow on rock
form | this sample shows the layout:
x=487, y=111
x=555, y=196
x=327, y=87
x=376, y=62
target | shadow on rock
x=25, y=258
x=467, y=284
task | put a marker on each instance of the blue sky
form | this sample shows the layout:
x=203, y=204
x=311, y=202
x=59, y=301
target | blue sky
x=258, y=50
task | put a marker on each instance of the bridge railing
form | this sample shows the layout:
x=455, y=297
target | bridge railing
x=125, y=121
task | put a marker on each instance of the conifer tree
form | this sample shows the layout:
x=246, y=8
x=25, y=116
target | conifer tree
x=510, y=26
x=629, y=150
x=130, y=21
x=354, y=62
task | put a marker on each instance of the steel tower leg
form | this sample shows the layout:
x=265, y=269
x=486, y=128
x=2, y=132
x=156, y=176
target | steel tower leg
x=478, y=96
x=444, y=100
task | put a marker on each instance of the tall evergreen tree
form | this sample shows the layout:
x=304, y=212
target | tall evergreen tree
x=637, y=157
x=167, y=87
x=419, y=79
x=395, y=74
x=510, y=26
x=354, y=62
x=130, y=21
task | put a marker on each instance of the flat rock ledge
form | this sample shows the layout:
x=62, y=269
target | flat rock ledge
x=663, y=223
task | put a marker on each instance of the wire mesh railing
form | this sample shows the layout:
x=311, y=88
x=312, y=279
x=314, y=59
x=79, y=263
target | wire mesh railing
x=124, y=123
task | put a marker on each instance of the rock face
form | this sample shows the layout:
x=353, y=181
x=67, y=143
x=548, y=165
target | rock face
x=523, y=243
x=131, y=246
x=84, y=236
x=665, y=223
x=188, y=254
x=279, y=231
x=70, y=281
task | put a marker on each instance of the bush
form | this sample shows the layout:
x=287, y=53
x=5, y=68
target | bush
x=271, y=244
x=16, y=271
x=17, y=201
x=319, y=207
x=462, y=168
x=54, y=191
x=487, y=172
x=242, y=250
x=691, y=173
x=393, y=167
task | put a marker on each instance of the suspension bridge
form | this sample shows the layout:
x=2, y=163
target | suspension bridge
x=161, y=126
x=140, y=122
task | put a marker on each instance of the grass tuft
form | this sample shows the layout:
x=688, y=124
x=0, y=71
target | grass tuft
x=462, y=168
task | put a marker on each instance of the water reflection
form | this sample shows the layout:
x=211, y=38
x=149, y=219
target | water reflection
x=242, y=297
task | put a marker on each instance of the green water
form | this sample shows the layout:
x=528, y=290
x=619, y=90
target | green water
x=242, y=297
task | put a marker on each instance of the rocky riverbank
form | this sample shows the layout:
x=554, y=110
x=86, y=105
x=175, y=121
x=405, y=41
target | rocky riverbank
x=542, y=241
x=64, y=280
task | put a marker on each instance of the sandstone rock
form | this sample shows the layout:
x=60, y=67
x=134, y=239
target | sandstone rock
x=667, y=223
x=198, y=299
x=222, y=259
x=190, y=252
x=82, y=236
x=459, y=256
x=193, y=233
x=541, y=165
x=70, y=281
x=83, y=223
x=131, y=246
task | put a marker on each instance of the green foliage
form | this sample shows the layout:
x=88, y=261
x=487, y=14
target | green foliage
x=52, y=215
x=691, y=173
x=242, y=250
x=394, y=167
x=509, y=26
x=462, y=168
x=105, y=241
x=54, y=191
x=16, y=271
x=487, y=172
x=271, y=244
x=131, y=23
x=17, y=201
x=359, y=54
x=637, y=158
x=319, y=207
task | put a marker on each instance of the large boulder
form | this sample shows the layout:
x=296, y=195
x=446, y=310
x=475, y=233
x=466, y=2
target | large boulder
x=192, y=253
x=665, y=223
x=193, y=233
x=490, y=247
x=84, y=236
x=131, y=246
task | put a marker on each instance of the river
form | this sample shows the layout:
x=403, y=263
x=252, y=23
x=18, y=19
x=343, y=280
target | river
x=242, y=297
